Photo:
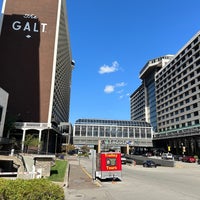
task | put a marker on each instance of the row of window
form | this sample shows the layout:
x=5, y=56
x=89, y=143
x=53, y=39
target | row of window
x=109, y=131
x=182, y=117
x=178, y=87
x=180, y=125
x=186, y=53
x=178, y=72
x=112, y=122
x=167, y=107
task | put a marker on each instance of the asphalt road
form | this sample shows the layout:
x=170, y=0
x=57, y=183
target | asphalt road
x=157, y=183
x=181, y=183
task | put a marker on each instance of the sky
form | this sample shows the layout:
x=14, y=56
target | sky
x=112, y=40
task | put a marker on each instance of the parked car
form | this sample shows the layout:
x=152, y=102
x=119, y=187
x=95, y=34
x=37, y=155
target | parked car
x=167, y=156
x=178, y=157
x=149, y=163
x=198, y=161
x=190, y=159
x=147, y=154
x=123, y=159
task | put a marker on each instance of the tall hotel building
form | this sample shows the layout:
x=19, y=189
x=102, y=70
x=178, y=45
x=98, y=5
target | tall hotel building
x=178, y=100
x=143, y=100
x=36, y=65
x=172, y=94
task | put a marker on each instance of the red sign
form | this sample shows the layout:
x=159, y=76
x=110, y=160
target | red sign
x=111, y=161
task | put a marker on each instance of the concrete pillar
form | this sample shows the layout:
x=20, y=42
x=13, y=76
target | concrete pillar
x=127, y=149
x=23, y=140
x=39, y=138
x=99, y=146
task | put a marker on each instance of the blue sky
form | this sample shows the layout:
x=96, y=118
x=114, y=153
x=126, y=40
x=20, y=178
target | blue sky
x=111, y=40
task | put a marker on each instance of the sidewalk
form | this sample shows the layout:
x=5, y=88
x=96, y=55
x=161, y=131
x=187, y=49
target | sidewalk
x=80, y=185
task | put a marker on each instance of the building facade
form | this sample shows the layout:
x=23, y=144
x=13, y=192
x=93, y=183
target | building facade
x=112, y=134
x=137, y=101
x=37, y=64
x=143, y=100
x=172, y=92
x=177, y=100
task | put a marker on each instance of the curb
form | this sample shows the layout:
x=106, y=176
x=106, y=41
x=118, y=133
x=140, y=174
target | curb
x=96, y=182
x=66, y=179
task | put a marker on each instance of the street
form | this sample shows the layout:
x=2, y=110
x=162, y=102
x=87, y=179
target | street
x=180, y=183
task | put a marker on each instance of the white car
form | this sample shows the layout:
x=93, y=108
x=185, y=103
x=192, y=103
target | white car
x=167, y=156
x=123, y=159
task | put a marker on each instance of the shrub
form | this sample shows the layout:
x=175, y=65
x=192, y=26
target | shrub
x=196, y=157
x=37, y=189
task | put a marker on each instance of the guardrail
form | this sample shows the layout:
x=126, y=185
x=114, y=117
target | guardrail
x=162, y=162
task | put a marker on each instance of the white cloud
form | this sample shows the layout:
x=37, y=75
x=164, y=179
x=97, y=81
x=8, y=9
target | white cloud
x=120, y=91
x=122, y=84
x=109, y=88
x=109, y=69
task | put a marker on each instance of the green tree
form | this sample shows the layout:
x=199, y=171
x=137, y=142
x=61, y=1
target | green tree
x=85, y=149
x=31, y=142
x=70, y=147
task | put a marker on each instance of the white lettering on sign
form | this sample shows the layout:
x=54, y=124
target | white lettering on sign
x=30, y=16
x=29, y=26
x=43, y=25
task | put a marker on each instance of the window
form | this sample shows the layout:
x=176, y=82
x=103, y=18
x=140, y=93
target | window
x=182, y=117
x=194, y=97
x=188, y=108
x=196, y=113
x=195, y=105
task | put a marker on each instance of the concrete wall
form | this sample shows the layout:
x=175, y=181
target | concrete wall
x=140, y=159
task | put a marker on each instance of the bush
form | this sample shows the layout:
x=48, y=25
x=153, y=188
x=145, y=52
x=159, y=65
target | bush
x=34, y=189
x=196, y=157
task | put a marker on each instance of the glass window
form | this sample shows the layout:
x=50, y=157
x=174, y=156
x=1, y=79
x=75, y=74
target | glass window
x=137, y=135
x=83, y=131
x=89, y=131
x=77, y=131
x=95, y=131
x=107, y=131
x=101, y=131
x=113, y=131
x=196, y=113
x=131, y=133
x=119, y=132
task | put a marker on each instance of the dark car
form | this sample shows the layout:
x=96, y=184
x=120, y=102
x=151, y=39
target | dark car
x=178, y=157
x=149, y=163
x=190, y=159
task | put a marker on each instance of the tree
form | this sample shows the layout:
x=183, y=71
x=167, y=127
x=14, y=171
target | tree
x=70, y=147
x=85, y=149
x=31, y=142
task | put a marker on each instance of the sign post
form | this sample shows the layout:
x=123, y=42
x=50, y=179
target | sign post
x=93, y=153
